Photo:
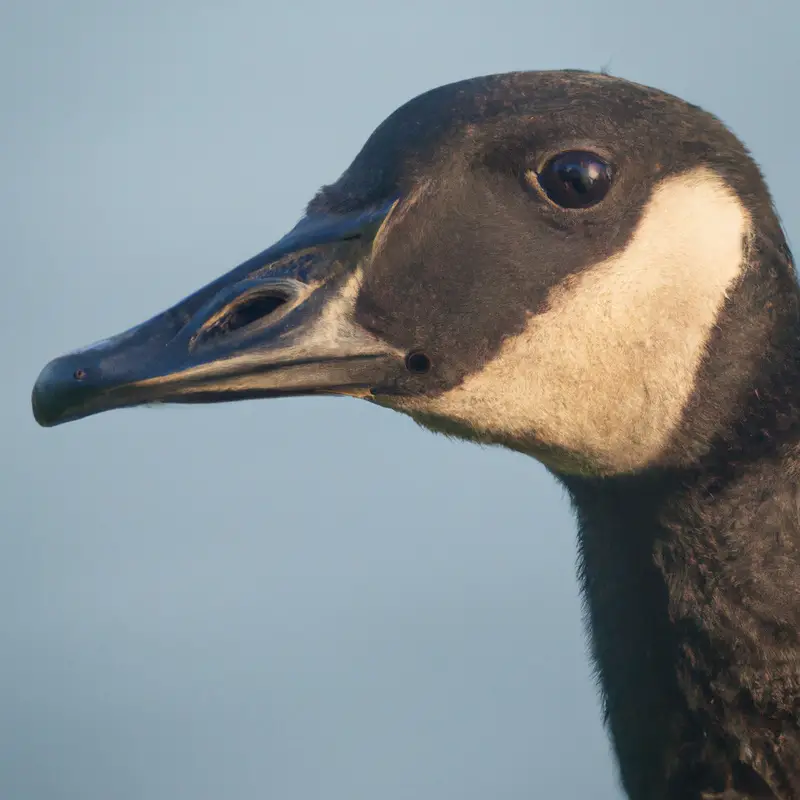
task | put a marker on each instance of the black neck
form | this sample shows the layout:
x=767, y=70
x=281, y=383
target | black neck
x=692, y=580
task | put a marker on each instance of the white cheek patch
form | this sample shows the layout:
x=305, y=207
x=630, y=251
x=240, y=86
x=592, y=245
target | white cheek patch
x=607, y=370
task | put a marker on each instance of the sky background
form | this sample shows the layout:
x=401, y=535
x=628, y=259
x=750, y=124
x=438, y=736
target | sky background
x=307, y=599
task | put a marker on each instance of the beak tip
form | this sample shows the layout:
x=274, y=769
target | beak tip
x=56, y=391
x=41, y=398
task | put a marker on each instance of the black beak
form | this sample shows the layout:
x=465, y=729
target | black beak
x=279, y=324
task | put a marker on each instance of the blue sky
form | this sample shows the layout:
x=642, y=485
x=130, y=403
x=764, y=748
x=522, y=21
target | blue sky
x=306, y=598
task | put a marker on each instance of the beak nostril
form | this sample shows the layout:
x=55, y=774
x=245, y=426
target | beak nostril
x=418, y=362
x=252, y=309
x=244, y=312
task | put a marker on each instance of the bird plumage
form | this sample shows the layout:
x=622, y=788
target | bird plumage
x=591, y=272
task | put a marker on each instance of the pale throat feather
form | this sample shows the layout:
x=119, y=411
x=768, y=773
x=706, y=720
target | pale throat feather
x=607, y=369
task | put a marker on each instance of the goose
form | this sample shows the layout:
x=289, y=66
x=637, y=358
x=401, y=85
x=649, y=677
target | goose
x=591, y=272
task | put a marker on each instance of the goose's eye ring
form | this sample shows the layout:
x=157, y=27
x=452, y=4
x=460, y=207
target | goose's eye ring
x=576, y=179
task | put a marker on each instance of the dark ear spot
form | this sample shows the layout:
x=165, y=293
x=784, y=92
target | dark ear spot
x=418, y=362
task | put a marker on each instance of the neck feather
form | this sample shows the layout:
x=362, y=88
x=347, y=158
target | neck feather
x=692, y=585
x=693, y=603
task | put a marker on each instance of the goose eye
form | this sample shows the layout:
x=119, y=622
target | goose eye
x=575, y=179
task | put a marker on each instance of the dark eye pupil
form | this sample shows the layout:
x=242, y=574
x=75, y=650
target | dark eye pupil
x=576, y=179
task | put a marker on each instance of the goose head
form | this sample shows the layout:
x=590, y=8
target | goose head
x=561, y=263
